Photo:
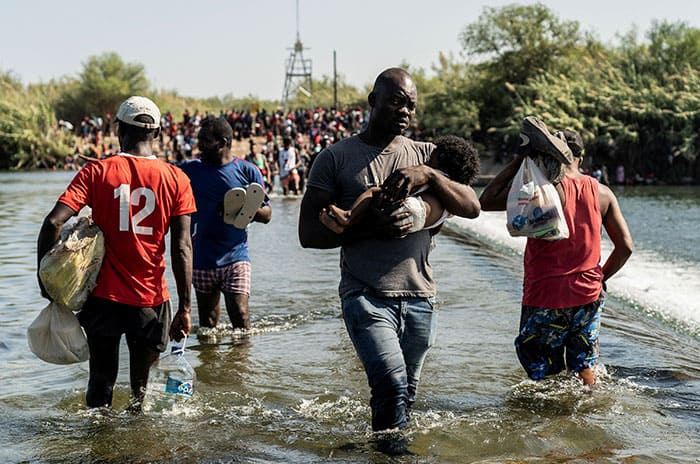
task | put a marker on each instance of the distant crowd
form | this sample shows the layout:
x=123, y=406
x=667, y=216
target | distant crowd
x=307, y=132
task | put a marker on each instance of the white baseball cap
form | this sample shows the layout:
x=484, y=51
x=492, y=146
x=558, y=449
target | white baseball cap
x=136, y=106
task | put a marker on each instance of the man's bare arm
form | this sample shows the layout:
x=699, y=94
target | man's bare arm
x=263, y=214
x=312, y=233
x=616, y=227
x=458, y=199
x=495, y=194
x=49, y=234
x=372, y=223
x=181, y=261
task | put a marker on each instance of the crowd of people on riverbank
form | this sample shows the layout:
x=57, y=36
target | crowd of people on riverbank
x=310, y=131
x=261, y=138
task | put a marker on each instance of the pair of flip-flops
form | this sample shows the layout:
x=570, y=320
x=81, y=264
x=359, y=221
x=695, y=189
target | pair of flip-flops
x=241, y=204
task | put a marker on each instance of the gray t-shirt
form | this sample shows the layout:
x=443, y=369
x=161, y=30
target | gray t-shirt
x=390, y=267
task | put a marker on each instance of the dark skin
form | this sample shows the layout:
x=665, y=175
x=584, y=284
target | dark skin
x=338, y=220
x=256, y=155
x=393, y=104
x=495, y=195
x=217, y=152
x=140, y=357
x=293, y=187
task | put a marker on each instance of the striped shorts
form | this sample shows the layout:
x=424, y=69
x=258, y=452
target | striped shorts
x=233, y=278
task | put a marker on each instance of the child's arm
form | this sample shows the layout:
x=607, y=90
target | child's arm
x=338, y=219
x=334, y=218
x=361, y=206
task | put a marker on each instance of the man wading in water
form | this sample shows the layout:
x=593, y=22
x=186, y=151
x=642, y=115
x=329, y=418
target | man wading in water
x=386, y=286
x=135, y=199
x=563, y=283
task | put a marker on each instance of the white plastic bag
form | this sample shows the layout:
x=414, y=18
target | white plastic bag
x=533, y=208
x=69, y=270
x=56, y=337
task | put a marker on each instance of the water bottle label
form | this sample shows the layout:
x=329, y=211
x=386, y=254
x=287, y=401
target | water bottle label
x=179, y=387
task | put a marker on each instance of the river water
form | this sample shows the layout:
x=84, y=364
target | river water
x=293, y=390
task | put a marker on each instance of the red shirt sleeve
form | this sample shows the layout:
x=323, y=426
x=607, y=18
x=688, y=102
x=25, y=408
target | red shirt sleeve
x=184, y=204
x=78, y=193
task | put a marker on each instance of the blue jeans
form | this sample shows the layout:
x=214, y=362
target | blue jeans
x=391, y=337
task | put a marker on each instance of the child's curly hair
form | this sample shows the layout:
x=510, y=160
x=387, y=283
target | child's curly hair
x=457, y=158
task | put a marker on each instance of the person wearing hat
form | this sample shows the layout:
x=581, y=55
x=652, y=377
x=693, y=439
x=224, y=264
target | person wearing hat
x=135, y=199
x=564, y=281
x=550, y=152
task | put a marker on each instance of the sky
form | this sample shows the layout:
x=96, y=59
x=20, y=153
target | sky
x=207, y=48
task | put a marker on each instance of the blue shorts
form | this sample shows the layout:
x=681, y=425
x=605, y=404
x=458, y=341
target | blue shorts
x=551, y=340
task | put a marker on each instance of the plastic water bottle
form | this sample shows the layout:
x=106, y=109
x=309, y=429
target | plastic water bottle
x=170, y=380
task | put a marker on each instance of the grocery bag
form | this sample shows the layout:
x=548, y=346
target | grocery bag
x=56, y=337
x=533, y=208
x=69, y=270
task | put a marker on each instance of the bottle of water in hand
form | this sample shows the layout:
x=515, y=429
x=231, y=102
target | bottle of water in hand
x=170, y=380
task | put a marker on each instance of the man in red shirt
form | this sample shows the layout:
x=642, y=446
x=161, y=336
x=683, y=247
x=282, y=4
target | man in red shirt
x=563, y=288
x=135, y=199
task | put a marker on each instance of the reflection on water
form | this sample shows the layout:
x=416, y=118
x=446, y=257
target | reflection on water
x=292, y=389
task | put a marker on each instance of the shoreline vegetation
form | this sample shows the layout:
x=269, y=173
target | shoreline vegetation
x=635, y=102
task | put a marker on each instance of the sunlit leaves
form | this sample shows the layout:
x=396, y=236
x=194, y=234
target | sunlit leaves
x=27, y=127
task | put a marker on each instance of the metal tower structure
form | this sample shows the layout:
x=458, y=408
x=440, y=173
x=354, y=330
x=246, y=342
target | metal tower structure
x=298, y=75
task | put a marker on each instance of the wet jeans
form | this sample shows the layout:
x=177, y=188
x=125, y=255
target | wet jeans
x=392, y=337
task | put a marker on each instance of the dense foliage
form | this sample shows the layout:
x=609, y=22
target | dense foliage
x=636, y=102
x=102, y=85
x=28, y=138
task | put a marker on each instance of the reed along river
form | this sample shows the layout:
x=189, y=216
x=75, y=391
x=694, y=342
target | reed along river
x=293, y=390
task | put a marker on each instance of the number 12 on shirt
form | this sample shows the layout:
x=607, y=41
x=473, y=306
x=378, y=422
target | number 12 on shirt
x=126, y=199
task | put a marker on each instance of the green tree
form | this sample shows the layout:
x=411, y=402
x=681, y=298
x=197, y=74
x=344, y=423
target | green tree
x=513, y=44
x=171, y=100
x=106, y=81
x=673, y=47
x=518, y=41
x=446, y=103
x=29, y=137
x=625, y=114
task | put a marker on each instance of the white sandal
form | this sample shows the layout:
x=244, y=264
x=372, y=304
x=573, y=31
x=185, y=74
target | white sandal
x=254, y=197
x=234, y=200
